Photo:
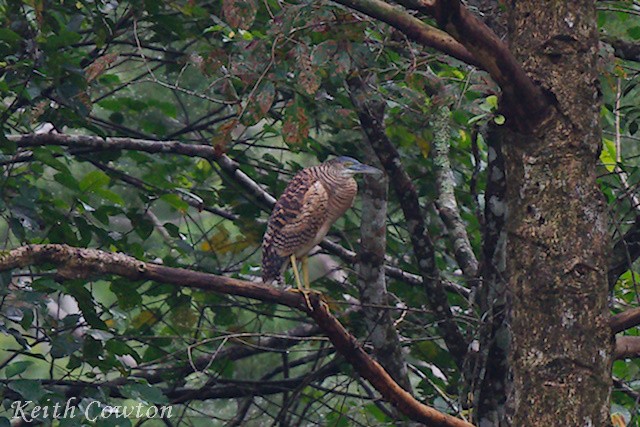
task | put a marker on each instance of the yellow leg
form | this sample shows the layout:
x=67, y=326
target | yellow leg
x=305, y=272
x=296, y=274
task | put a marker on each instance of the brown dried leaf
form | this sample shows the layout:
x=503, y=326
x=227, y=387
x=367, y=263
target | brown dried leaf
x=240, y=13
x=259, y=106
x=216, y=59
x=296, y=126
x=223, y=137
x=98, y=67
x=308, y=77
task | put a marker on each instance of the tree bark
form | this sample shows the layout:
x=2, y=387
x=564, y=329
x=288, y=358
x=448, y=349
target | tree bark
x=557, y=229
x=372, y=282
x=491, y=374
x=371, y=114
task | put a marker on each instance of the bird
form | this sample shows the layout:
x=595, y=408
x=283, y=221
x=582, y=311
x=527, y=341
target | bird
x=312, y=201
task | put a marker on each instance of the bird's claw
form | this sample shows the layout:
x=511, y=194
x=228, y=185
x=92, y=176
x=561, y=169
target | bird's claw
x=305, y=293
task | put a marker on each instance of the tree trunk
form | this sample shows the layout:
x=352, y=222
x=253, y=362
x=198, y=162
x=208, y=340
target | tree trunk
x=490, y=369
x=372, y=280
x=557, y=229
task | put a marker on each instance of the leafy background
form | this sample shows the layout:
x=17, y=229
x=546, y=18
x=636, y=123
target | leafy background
x=265, y=83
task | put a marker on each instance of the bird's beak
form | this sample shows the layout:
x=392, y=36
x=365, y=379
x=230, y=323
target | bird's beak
x=362, y=168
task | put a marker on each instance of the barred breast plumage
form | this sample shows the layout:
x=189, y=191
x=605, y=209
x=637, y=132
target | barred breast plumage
x=314, y=199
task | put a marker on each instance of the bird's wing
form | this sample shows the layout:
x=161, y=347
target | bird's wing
x=298, y=215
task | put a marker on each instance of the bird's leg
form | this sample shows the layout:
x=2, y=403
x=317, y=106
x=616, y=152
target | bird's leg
x=296, y=274
x=305, y=272
x=307, y=282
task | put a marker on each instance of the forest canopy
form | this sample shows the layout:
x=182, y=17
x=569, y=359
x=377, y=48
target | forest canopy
x=144, y=144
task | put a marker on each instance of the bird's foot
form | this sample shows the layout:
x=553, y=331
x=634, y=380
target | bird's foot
x=305, y=293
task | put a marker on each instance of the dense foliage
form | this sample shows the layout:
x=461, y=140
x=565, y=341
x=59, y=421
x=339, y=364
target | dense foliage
x=268, y=84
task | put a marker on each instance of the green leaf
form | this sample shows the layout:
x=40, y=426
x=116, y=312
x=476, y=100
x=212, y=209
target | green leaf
x=16, y=368
x=110, y=196
x=173, y=230
x=10, y=37
x=175, y=201
x=29, y=389
x=166, y=108
x=608, y=154
x=94, y=180
x=634, y=32
x=145, y=393
x=121, y=348
x=64, y=344
x=64, y=38
x=67, y=179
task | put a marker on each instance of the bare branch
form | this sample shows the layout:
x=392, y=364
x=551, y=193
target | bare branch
x=79, y=263
x=446, y=203
x=626, y=347
x=414, y=28
x=625, y=320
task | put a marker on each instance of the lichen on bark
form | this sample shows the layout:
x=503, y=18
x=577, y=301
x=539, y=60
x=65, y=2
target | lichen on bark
x=557, y=228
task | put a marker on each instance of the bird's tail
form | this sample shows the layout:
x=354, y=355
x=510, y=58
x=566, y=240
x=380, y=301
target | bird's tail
x=272, y=266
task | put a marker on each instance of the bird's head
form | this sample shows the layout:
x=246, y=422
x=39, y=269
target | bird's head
x=348, y=166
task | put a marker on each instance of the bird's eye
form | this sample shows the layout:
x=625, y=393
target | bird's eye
x=347, y=164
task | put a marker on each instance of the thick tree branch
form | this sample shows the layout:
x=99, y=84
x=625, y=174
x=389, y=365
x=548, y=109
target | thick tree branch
x=80, y=263
x=624, y=253
x=625, y=320
x=624, y=49
x=523, y=99
x=626, y=347
x=414, y=28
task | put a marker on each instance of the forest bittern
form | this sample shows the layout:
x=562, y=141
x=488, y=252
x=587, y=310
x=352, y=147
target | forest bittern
x=314, y=199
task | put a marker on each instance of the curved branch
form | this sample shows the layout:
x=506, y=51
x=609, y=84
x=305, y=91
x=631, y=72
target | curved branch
x=414, y=28
x=79, y=263
x=524, y=99
x=625, y=320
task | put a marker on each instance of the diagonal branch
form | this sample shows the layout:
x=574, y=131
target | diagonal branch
x=627, y=347
x=81, y=263
x=524, y=100
x=624, y=253
x=414, y=28
x=625, y=320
